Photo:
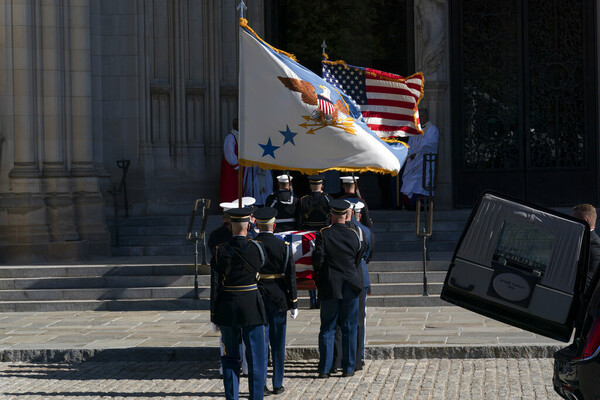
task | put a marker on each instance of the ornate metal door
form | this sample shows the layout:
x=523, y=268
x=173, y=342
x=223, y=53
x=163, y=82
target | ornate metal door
x=524, y=100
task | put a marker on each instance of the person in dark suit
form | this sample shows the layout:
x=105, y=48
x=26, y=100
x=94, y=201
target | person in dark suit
x=350, y=190
x=286, y=204
x=315, y=216
x=336, y=260
x=237, y=306
x=278, y=285
x=587, y=213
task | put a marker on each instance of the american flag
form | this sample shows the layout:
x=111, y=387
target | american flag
x=387, y=102
x=302, y=244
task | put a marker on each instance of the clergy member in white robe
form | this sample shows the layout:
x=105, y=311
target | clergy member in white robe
x=258, y=183
x=412, y=178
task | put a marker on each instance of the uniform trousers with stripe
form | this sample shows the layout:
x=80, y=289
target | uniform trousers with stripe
x=254, y=338
x=346, y=310
x=275, y=333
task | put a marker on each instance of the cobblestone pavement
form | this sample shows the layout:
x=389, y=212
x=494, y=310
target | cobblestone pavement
x=498, y=378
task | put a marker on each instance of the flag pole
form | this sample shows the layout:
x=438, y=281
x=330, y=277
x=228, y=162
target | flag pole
x=241, y=7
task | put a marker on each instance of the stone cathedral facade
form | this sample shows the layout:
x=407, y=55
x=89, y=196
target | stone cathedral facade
x=86, y=85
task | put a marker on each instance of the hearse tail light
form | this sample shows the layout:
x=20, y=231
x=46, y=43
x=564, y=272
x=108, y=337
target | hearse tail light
x=592, y=343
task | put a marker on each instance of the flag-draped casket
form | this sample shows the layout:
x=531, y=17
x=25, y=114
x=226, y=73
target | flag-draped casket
x=302, y=244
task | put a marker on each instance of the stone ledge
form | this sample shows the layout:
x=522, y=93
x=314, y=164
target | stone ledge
x=178, y=354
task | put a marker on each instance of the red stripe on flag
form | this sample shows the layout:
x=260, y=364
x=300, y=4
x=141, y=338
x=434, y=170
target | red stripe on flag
x=414, y=86
x=306, y=242
x=388, y=115
x=390, y=90
x=391, y=128
x=304, y=260
x=391, y=103
x=381, y=75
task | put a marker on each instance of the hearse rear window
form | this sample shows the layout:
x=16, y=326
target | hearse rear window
x=523, y=246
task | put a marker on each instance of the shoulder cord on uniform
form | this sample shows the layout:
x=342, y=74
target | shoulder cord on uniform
x=245, y=263
x=261, y=252
x=287, y=256
x=359, y=237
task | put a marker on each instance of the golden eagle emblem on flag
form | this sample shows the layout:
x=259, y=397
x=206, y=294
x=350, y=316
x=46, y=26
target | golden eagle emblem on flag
x=326, y=110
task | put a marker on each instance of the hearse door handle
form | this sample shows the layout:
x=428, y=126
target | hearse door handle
x=467, y=288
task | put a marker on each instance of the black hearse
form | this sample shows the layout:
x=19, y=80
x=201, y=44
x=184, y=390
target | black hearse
x=525, y=265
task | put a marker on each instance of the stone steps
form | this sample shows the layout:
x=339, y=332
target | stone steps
x=139, y=284
x=394, y=232
x=153, y=268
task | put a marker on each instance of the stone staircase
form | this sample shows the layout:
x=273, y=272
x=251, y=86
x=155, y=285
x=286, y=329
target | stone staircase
x=153, y=268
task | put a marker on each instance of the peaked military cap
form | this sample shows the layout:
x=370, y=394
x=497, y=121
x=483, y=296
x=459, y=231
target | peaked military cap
x=358, y=206
x=339, y=207
x=314, y=179
x=228, y=205
x=265, y=215
x=348, y=179
x=240, y=214
x=284, y=178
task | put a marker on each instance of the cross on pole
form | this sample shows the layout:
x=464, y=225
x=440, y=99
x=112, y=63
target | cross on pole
x=242, y=7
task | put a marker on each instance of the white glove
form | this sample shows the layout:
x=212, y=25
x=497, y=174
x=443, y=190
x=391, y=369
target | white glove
x=215, y=328
x=294, y=313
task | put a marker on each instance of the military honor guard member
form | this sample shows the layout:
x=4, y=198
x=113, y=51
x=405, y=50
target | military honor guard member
x=286, y=204
x=349, y=193
x=367, y=238
x=315, y=206
x=278, y=285
x=336, y=260
x=237, y=306
x=315, y=216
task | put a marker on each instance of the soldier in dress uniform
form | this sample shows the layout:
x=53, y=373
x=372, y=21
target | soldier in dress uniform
x=237, y=306
x=223, y=233
x=315, y=216
x=278, y=285
x=286, y=204
x=315, y=206
x=218, y=236
x=368, y=242
x=336, y=260
x=349, y=192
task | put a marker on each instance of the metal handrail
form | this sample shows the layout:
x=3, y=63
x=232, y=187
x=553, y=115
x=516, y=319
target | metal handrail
x=122, y=188
x=203, y=205
x=429, y=165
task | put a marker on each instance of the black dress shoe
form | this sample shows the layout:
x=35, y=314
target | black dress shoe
x=322, y=375
x=313, y=306
x=278, y=390
x=347, y=374
x=358, y=367
x=267, y=392
x=334, y=370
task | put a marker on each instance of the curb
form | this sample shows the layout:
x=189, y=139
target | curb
x=181, y=354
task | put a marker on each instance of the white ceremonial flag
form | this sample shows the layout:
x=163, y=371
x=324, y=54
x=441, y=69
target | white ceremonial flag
x=290, y=118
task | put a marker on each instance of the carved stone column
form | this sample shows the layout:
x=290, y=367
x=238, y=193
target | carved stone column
x=50, y=205
x=55, y=178
x=431, y=57
x=23, y=223
x=88, y=203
